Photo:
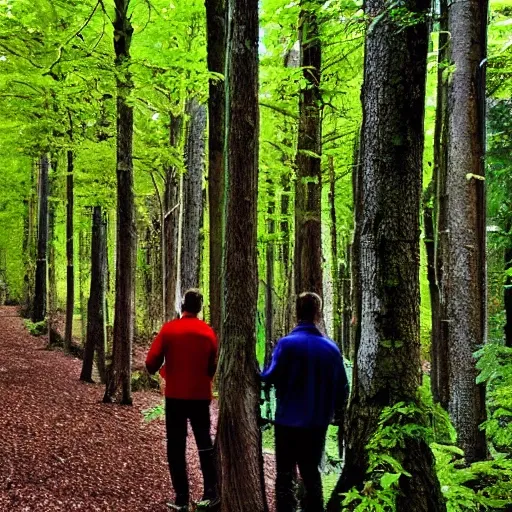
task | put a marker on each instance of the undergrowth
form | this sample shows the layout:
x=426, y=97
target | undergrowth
x=481, y=486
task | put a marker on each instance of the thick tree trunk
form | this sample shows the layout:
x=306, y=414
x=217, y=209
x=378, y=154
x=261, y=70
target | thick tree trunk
x=242, y=483
x=39, y=308
x=96, y=308
x=216, y=44
x=119, y=375
x=172, y=207
x=70, y=274
x=308, y=186
x=435, y=222
x=192, y=197
x=387, y=366
x=464, y=267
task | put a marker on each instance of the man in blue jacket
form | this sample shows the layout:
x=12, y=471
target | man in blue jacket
x=311, y=388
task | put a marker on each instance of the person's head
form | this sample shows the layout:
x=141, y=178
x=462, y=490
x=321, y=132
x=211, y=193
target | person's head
x=192, y=301
x=309, y=307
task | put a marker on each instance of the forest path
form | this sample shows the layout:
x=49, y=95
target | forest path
x=61, y=449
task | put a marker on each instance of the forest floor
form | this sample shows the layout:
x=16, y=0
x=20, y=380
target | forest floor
x=62, y=449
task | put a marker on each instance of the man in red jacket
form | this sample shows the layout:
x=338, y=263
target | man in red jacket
x=187, y=347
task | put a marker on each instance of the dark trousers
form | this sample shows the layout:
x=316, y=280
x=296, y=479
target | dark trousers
x=177, y=412
x=302, y=447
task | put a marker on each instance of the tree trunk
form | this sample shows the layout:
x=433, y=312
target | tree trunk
x=192, y=197
x=465, y=265
x=70, y=274
x=435, y=222
x=53, y=336
x=119, y=375
x=336, y=264
x=242, y=483
x=172, y=206
x=39, y=309
x=308, y=186
x=216, y=44
x=96, y=307
x=387, y=365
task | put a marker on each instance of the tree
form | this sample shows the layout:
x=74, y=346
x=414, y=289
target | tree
x=308, y=186
x=387, y=363
x=119, y=375
x=464, y=275
x=95, y=340
x=40, y=294
x=70, y=274
x=192, y=197
x=216, y=52
x=435, y=224
x=242, y=484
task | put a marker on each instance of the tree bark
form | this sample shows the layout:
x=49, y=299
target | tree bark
x=119, y=374
x=96, y=335
x=192, y=197
x=70, y=274
x=465, y=265
x=387, y=365
x=242, y=482
x=216, y=45
x=172, y=207
x=308, y=186
x=435, y=222
x=40, y=299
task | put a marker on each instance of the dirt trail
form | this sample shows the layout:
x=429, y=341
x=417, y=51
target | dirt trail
x=61, y=449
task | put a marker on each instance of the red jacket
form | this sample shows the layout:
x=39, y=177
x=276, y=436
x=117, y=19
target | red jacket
x=189, y=347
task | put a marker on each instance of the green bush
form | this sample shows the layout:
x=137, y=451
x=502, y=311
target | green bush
x=37, y=328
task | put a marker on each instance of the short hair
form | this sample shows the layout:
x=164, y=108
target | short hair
x=192, y=301
x=309, y=307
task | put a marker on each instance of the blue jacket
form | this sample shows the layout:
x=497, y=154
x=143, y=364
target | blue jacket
x=309, y=376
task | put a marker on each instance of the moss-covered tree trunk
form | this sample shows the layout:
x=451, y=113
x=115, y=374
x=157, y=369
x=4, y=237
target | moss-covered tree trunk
x=308, y=185
x=242, y=483
x=387, y=364
x=464, y=277
x=216, y=45
x=119, y=374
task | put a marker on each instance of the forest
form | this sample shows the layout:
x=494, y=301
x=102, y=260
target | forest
x=361, y=150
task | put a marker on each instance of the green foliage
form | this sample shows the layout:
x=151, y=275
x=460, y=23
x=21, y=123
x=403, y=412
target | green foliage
x=396, y=425
x=37, y=328
x=495, y=365
x=154, y=413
